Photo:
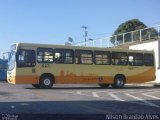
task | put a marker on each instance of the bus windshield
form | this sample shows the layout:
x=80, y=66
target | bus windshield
x=12, y=57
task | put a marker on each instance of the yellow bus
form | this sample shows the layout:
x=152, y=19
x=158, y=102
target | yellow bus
x=43, y=65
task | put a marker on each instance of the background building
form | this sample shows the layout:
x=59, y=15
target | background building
x=3, y=70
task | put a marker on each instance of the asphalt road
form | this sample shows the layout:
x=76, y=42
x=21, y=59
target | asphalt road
x=78, y=99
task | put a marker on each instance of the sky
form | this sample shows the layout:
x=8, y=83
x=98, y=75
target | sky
x=53, y=21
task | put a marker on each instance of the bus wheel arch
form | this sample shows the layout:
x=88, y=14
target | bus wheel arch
x=46, y=80
x=119, y=81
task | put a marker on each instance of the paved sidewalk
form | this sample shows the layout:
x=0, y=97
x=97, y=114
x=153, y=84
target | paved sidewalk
x=144, y=84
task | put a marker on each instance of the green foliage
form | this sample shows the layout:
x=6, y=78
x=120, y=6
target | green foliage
x=132, y=25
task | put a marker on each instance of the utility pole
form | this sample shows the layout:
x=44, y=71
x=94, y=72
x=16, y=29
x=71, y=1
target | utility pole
x=85, y=33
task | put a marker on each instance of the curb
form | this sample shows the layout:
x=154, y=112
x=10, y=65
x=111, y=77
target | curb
x=144, y=84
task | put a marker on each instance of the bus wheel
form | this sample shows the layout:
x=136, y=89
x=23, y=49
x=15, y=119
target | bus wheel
x=36, y=85
x=103, y=85
x=119, y=81
x=46, y=82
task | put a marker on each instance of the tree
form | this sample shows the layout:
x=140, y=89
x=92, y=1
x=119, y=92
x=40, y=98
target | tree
x=132, y=25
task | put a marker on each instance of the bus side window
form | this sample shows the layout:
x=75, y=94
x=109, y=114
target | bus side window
x=58, y=57
x=64, y=56
x=119, y=58
x=148, y=59
x=69, y=57
x=45, y=55
x=135, y=59
x=25, y=58
x=102, y=57
x=83, y=57
x=130, y=60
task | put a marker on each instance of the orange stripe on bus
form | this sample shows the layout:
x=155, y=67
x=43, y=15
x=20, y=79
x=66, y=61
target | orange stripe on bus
x=25, y=80
x=89, y=79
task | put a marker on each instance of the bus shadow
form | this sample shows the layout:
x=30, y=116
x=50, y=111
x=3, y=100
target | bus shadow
x=93, y=87
x=68, y=88
x=78, y=107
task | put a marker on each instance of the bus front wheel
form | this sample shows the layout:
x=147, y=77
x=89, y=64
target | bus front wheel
x=46, y=82
x=119, y=81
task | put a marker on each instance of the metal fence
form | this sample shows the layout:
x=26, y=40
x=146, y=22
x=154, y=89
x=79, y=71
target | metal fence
x=120, y=39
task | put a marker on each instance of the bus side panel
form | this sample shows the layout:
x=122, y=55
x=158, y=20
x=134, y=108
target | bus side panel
x=83, y=79
x=26, y=79
x=94, y=79
x=26, y=76
x=97, y=75
x=65, y=73
x=94, y=74
x=84, y=74
x=65, y=77
x=146, y=76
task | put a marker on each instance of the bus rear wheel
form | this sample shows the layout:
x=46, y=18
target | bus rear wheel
x=46, y=82
x=103, y=85
x=119, y=81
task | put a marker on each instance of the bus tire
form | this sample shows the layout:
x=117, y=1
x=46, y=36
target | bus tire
x=103, y=85
x=46, y=82
x=119, y=81
x=36, y=86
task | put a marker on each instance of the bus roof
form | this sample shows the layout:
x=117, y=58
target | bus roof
x=37, y=45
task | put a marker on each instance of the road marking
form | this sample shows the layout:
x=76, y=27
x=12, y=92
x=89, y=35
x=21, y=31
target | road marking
x=153, y=91
x=106, y=91
x=142, y=100
x=140, y=91
x=45, y=96
x=80, y=93
x=123, y=91
x=95, y=94
x=155, y=97
x=115, y=97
